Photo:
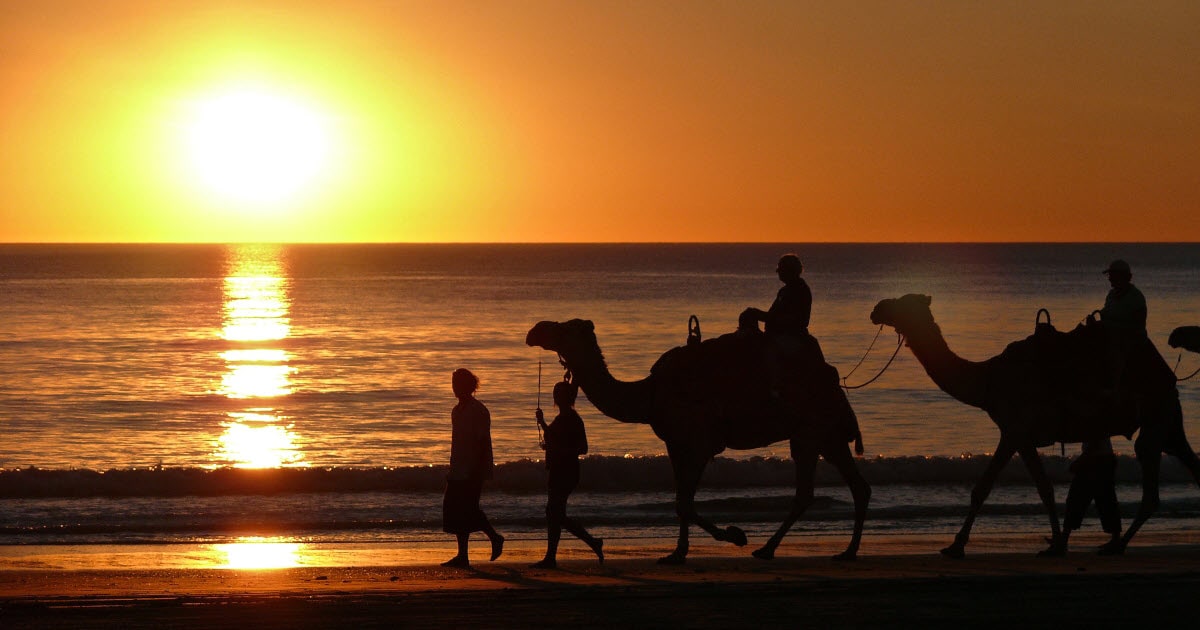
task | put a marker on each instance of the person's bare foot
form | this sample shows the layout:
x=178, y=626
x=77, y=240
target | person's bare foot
x=497, y=547
x=457, y=562
x=599, y=549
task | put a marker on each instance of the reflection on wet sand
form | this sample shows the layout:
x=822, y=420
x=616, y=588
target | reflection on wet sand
x=256, y=323
x=255, y=552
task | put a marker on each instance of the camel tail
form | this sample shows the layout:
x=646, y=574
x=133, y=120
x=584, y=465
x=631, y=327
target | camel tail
x=858, y=444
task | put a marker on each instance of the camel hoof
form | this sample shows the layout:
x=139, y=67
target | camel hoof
x=735, y=535
x=955, y=551
x=763, y=553
x=846, y=556
x=673, y=559
x=1112, y=548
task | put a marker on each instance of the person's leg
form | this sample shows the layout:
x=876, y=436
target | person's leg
x=556, y=512
x=1106, y=497
x=461, y=560
x=484, y=525
x=597, y=544
x=493, y=535
x=1078, y=498
x=454, y=503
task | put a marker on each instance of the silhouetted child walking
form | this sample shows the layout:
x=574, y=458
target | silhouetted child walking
x=470, y=465
x=565, y=442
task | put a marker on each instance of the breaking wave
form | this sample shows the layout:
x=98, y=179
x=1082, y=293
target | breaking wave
x=600, y=474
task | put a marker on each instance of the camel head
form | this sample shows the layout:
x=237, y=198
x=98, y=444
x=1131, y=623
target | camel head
x=573, y=339
x=1186, y=337
x=904, y=313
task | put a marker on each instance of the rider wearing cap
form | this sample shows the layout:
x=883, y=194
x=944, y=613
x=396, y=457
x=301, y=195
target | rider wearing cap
x=786, y=323
x=1124, y=319
x=792, y=308
x=1124, y=306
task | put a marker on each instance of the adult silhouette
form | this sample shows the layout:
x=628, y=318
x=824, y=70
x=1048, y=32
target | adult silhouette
x=786, y=322
x=470, y=466
x=1124, y=318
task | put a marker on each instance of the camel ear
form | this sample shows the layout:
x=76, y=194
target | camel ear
x=926, y=299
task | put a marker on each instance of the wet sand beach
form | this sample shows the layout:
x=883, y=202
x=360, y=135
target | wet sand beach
x=902, y=582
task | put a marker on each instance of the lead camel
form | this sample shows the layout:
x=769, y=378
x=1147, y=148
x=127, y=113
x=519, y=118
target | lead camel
x=706, y=397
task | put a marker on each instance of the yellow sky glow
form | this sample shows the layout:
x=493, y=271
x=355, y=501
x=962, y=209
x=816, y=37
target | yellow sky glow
x=607, y=121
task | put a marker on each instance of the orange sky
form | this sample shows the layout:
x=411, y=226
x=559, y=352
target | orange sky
x=617, y=121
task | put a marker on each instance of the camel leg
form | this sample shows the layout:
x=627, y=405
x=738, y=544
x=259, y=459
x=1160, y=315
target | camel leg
x=805, y=460
x=841, y=459
x=687, y=478
x=1148, y=447
x=1033, y=463
x=983, y=487
x=1177, y=444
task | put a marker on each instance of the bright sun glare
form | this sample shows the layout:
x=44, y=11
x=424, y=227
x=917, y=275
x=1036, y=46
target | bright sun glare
x=256, y=146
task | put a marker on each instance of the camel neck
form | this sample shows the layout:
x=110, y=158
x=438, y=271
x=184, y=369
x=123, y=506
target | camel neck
x=953, y=374
x=619, y=400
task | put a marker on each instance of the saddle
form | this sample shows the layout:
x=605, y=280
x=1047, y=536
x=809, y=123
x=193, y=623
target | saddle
x=743, y=361
x=1069, y=370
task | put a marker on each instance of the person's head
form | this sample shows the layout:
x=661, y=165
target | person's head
x=464, y=382
x=1119, y=273
x=565, y=394
x=748, y=322
x=789, y=267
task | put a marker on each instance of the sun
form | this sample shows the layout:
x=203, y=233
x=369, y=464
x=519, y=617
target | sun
x=254, y=145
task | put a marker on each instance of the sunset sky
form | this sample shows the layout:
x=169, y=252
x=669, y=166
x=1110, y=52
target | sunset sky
x=161, y=120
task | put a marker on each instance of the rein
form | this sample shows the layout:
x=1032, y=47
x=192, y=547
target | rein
x=899, y=344
x=864, y=356
x=1189, y=376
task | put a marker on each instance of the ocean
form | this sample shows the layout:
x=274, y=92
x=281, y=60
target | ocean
x=205, y=393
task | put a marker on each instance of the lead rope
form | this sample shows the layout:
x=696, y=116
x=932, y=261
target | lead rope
x=899, y=344
x=1189, y=376
x=541, y=438
x=864, y=356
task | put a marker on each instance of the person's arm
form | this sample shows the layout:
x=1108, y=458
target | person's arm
x=581, y=436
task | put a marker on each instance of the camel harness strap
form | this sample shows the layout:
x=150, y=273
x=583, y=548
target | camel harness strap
x=899, y=344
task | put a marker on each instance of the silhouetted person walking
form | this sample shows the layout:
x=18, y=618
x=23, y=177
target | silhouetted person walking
x=1094, y=480
x=565, y=440
x=470, y=465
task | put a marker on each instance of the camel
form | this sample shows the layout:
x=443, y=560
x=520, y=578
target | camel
x=1035, y=404
x=705, y=397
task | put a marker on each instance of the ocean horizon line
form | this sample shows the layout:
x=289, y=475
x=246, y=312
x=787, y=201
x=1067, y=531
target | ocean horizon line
x=556, y=243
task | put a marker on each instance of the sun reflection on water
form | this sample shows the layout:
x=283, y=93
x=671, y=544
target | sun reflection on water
x=254, y=440
x=256, y=552
x=256, y=319
x=252, y=380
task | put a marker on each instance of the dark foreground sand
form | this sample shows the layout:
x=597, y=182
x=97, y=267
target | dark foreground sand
x=1153, y=585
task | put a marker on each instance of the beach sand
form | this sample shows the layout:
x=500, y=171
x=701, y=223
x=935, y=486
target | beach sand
x=898, y=582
